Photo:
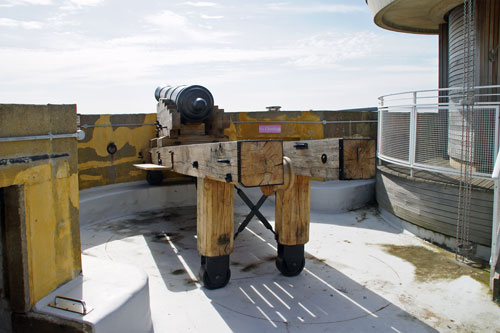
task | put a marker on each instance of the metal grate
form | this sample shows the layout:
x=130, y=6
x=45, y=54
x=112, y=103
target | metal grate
x=423, y=130
x=395, y=138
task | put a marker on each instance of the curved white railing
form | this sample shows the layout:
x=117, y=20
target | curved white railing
x=423, y=129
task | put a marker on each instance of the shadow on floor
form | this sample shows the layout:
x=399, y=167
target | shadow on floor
x=320, y=299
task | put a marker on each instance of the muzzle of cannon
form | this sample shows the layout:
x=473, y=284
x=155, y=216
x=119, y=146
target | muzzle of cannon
x=194, y=103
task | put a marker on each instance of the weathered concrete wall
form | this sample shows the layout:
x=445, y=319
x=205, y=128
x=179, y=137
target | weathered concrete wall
x=302, y=125
x=45, y=171
x=96, y=166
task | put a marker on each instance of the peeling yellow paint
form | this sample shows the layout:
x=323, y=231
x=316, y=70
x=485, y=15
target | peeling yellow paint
x=296, y=130
x=37, y=174
x=103, y=164
x=74, y=196
x=137, y=172
x=97, y=167
x=90, y=177
x=50, y=191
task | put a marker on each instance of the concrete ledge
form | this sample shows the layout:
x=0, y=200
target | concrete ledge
x=118, y=294
x=481, y=251
x=40, y=323
x=112, y=201
x=334, y=196
x=341, y=195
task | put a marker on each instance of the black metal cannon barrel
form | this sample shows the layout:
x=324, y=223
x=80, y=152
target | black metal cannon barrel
x=195, y=103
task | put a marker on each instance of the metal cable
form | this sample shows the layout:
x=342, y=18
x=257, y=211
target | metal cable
x=463, y=244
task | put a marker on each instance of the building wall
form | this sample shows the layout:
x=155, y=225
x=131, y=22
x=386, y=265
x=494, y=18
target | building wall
x=96, y=166
x=44, y=172
x=433, y=204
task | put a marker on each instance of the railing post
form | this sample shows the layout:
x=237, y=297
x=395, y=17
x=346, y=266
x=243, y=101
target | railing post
x=413, y=133
x=494, y=235
x=495, y=151
x=379, y=128
x=495, y=227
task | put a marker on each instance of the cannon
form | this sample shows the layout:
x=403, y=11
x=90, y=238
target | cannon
x=194, y=103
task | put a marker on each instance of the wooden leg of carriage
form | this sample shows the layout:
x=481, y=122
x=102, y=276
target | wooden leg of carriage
x=215, y=229
x=292, y=225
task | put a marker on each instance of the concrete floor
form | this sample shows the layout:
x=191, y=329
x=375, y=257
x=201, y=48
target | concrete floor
x=350, y=283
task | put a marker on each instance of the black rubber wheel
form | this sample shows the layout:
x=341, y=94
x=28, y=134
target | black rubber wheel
x=209, y=283
x=154, y=177
x=290, y=269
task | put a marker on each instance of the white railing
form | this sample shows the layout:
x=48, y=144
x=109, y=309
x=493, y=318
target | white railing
x=495, y=227
x=423, y=130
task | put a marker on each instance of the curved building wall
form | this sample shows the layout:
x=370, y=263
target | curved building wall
x=430, y=200
x=483, y=33
x=456, y=47
x=432, y=203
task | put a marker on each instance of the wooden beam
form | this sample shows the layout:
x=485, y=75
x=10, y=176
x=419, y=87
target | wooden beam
x=320, y=158
x=258, y=163
x=358, y=159
x=293, y=210
x=252, y=163
x=169, y=118
x=151, y=167
x=215, y=217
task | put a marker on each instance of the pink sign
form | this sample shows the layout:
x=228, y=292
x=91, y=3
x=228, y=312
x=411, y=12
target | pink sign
x=269, y=129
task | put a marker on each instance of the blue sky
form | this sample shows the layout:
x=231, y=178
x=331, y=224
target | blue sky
x=108, y=56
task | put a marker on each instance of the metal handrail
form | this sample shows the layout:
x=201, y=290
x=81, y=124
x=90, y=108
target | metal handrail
x=413, y=104
x=79, y=135
x=440, y=89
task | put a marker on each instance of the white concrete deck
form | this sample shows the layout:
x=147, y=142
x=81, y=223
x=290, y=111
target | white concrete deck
x=350, y=284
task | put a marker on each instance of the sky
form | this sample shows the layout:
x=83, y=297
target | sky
x=108, y=56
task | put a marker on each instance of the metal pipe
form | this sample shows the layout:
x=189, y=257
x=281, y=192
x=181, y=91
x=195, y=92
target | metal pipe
x=79, y=135
x=117, y=125
x=324, y=122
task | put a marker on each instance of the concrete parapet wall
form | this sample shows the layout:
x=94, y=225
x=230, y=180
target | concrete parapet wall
x=39, y=185
x=96, y=166
x=304, y=125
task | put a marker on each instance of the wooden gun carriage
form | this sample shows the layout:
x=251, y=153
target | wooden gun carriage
x=283, y=169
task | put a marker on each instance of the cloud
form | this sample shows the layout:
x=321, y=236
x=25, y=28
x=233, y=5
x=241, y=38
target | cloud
x=28, y=25
x=209, y=17
x=329, y=49
x=182, y=30
x=74, y=5
x=315, y=8
x=12, y=3
x=168, y=20
x=83, y=3
x=200, y=4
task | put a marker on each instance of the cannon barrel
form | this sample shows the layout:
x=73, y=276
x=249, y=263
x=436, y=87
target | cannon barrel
x=194, y=103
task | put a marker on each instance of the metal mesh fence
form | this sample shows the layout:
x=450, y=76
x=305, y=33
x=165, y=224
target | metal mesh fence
x=427, y=133
x=395, y=138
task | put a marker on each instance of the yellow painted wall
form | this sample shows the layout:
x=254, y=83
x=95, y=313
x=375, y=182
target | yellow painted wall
x=47, y=170
x=304, y=125
x=289, y=131
x=96, y=166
